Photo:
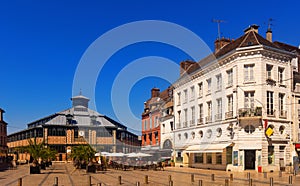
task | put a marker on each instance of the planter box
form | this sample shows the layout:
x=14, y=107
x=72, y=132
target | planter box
x=35, y=170
x=91, y=168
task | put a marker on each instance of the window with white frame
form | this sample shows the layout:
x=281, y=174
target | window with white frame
x=208, y=85
x=219, y=82
x=249, y=99
x=185, y=95
x=200, y=88
x=219, y=109
x=178, y=98
x=208, y=118
x=282, y=112
x=200, y=120
x=192, y=93
x=280, y=75
x=269, y=71
x=270, y=103
x=229, y=77
x=185, y=118
x=230, y=103
x=192, y=122
x=248, y=72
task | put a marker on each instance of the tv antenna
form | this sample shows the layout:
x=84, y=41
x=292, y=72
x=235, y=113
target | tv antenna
x=270, y=23
x=218, y=21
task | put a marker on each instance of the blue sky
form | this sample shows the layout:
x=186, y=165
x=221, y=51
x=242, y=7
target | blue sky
x=42, y=43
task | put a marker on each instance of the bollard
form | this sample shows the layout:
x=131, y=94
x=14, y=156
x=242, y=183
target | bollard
x=271, y=181
x=226, y=182
x=138, y=183
x=99, y=184
x=171, y=183
x=20, y=182
x=55, y=181
x=280, y=174
x=290, y=179
x=265, y=175
x=248, y=175
x=89, y=181
x=146, y=179
x=212, y=177
x=231, y=177
x=250, y=182
x=120, y=180
x=170, y=178
x=200, y=183
x=192, y=178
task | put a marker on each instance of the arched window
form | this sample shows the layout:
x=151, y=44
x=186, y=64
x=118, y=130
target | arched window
x=249, y=129
x=209, y=133
x=219, y=132
x=281, y=129
x=201, y=134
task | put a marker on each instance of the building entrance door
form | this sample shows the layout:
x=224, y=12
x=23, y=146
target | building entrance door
x=249, y=159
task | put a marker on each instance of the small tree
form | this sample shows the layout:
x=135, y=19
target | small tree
x=36, y=150
x=83, y=152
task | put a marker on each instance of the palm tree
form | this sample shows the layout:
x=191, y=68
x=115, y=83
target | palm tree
x=83, y=152
x=36, y=150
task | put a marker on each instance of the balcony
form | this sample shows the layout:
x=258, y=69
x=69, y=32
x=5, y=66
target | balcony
x=200, y=121
x=218, y=117
x=208, y=119
x=192, y=122
x=184, y=124
x=229, y=115
x=250, y=112
x=283, y=114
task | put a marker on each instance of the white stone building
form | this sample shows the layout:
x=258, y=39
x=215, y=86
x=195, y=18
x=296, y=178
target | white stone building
x=233, y=109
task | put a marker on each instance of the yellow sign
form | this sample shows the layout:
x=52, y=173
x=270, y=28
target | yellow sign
x=269, y=132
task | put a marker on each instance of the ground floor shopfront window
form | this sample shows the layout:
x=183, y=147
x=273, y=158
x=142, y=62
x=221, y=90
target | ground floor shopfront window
x=271, y=158
x=199, y=158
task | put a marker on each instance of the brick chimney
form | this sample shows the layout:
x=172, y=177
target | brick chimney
x=269, y=35
x=154, y=92
x=184, y=65
x=220, y=43
x=1, y=114
x=253, y=27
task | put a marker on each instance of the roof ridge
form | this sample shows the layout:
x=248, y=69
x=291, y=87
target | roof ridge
x=244, y=40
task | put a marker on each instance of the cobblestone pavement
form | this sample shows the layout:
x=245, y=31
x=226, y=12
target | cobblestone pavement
x=180, y=177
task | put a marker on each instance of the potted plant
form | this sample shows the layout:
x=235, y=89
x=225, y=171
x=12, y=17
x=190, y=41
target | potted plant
x=84, y=153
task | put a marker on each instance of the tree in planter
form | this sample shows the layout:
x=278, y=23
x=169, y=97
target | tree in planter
x=84, y=154
x=40, y=154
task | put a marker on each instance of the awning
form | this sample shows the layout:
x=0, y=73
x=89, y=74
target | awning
x=201, y=148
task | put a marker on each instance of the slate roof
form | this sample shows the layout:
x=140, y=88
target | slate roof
x=250, y=38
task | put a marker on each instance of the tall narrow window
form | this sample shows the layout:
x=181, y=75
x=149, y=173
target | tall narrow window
x=185, y=95
x=192, y=93
x=179, y=119
x=192, y=122
x=282, y=112
x=208, y=85
x=219, y=82
x=209, y=112
x=248, y=72
x=249, y=99
x=178, y=97
x=229, y=77
x=200, y=120
x=270, y=103
x=219, y=109
x=185, y=118
x=200, y=87
x=280, y=75
x=229, y=113
x=269, y=71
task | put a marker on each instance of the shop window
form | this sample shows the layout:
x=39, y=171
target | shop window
x=271, y=158
x=229, y=155
x=198, y=157
x=209, y=158
x=219, y=157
